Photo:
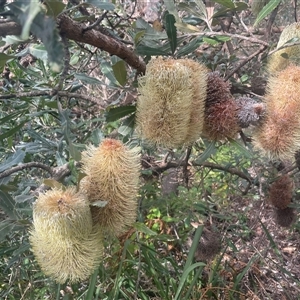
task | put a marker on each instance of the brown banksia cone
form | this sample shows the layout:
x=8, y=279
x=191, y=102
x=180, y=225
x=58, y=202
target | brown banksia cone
x=285, y=217
x=112, y=180
x=281, y=192
x=170, y=107
x=63, y=239
x=221, y=118
x=209, y=245
x=279, y=135
x=282, y=58
x=250, y=112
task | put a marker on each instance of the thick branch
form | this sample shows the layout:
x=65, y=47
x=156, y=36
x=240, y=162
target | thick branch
x=26, y=166
x=77, y=32
x=10, y=28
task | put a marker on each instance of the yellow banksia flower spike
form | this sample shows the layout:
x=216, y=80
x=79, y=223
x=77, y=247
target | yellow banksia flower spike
x=112, y=171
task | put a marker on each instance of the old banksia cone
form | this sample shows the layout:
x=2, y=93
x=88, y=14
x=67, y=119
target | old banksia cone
x=221, y=118
x=279, y=134
x=285, y=217
x=281, y=192
x=170, y=108
x=112, y=179
x=63, y=239
x=280, y=59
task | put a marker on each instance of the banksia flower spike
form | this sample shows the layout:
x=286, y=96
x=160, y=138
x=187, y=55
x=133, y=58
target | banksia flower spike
x=170, y=107
x=112, y=171
x=281, y=192
x=282, y=58
x=279, y=135
x=64, y=241
x=285, y=217
x=221, y=118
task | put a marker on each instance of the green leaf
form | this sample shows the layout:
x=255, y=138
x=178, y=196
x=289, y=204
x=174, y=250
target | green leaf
x=6, y=227
x=226, y=3
x=186, y=27
x=242, y=148
x=189, y=47
x=101, y=4
x=38, y=51
x=7, y=203
x=54, y=7
x=90, y=80
x=141, y=227
x=108, y=72
x=12, y=131
x=13, y=160
x=12, y=116
x=145, y=50
x=76, y=155
x=3, y=59
x=267, y=9
x=171, y=31
x=53, y=184
x=33, y=9
x=117, y=113
x=120, y=72
x=201, y=8
x=171, y=8
x=210, y=149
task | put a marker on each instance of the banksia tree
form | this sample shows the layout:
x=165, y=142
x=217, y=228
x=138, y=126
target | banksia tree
x=280, y=59
x=221, y=118
x=63, y=239
x=281, y=192
x=170, y=107
x=111, y=184
x=279, y=134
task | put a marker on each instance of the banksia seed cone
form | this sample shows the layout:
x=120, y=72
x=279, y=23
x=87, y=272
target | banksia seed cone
x=112, y=172
x=64, y=241
x=171, y=105
x=280, y=59
x=281, y=192
x=279, y=135
x=249, y=112
x=221, y=119
x=285, y=217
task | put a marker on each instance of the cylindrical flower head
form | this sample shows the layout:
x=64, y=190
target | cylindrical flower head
x=281, y=192
x=221, y=118
x=280, y=59
x=199, y=77
x=112, y=172
x=285, y=217
x=165, y=103
x=65, y=243
x=279, y=134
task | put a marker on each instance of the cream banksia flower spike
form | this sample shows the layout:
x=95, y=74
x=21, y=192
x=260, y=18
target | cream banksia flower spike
x=64, y=241
x=170, y=108
x=279, y=135
x=112, y=171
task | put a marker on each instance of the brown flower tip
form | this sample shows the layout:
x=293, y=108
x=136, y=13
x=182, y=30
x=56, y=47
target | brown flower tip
x=282, y=58
x=65, y=243
x=111, y=184
x=170, y=107
x=279, y=134
x=250, y=112
x=281, y=192
x=285, y=217
x=221, y=118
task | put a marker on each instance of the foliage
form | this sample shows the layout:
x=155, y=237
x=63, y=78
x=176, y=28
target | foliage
x=62, y=91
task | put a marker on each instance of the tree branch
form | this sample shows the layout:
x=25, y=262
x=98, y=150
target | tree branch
x=29, y=165
x=76, y=31
x=9, y=28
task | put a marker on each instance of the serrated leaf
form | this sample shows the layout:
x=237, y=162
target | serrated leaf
x=7, y=204
x=54, y=7
x=87, y=79
x=226, y=3
x=13, y=160
x=117, y=113
x=145, y=50
x=171, y=31
x=99, y=203
x=171, y=8
x=120, y=72
x=144, y=229
x=38, y=51
x=3, y=59
x=53, y=184
x=267, y=9
x=101, y=4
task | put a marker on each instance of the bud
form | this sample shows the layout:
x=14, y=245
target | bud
x=171, y=105
x=111, y=184
x=64, y=241
x=279, y=134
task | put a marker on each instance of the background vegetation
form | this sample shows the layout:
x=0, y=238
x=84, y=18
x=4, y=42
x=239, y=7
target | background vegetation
x=69, y=79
